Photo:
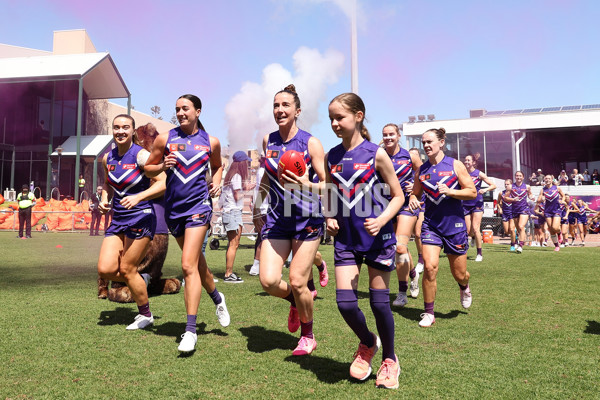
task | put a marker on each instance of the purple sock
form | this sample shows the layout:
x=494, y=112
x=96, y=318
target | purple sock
x=290, y=298
x=402, y=286
x=190, y=326
x=306, y=329
x=412, y=273
x=321, y=267
x=215, y=296
x=479, y=251
x=429, y=307
x=512, y=244
x=384, y=319
x=420, y=259
x=145, y=310
x=521, y=243
x=463, y=287
x=311, y=285
x=347, y=302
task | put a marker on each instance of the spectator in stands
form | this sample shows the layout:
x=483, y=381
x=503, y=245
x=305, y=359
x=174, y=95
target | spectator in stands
x=533, y=180
x=587, y=179
x=540, y=177
x=563, y=178
x=595, y=177
x=576, y=177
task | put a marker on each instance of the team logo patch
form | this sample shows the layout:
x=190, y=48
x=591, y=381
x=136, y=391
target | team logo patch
x=199, y=147
x=402, y=161
x=458, y=225
x=361, y=166
x=177, y=146
x=112, y=167
x=337, y=168
x=386, y=236
x=387, y=263
x=460, y=246
x=197, y=217
x=423, y=178
x=128, y=166
x=272, y=153
x=445, y=173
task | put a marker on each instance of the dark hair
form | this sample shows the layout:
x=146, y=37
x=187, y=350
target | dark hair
x=440, y=133
x=197, y=105
x=353, y=103
x=129, y=117
x=237, y=167
x=291, y=89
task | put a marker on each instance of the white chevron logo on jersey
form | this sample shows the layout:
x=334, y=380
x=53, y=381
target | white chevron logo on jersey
x=428, y=187
x=124, y=191
x=125, y=174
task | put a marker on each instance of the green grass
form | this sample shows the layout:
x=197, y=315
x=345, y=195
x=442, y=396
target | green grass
x=533, y=331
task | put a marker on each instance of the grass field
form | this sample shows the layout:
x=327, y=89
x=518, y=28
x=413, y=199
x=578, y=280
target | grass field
x=533, y=332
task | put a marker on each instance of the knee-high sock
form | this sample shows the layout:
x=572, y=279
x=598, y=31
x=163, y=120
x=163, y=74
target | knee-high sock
x=380, y=304
x=347, y=302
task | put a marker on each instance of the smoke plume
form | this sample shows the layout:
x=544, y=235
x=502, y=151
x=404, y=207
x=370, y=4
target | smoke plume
x=249, y=113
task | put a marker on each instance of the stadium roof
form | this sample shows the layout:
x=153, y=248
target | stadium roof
x=91, y=146
x=101, y=79
x=510, y=120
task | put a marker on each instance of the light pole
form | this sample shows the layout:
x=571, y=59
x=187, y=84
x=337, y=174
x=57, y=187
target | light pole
x=59, y=150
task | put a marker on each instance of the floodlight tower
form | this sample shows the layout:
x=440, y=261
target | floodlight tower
x=354, y=50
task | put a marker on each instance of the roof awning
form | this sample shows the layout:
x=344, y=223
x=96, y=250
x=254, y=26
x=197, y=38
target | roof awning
x=101, y=79
x=91, y=146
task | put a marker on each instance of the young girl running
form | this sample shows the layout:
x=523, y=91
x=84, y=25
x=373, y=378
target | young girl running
x=186, y=153
x=473, y=209
x=446, y=183
x=508, y=224
x=294, y=221
x=553, y=197
x=134, y=222
x=404, y=164
x=361, y=224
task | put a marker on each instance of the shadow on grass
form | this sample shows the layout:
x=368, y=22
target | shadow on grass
x=325, y=370
x=118, y=316
x=592, y=328
x=261, y=340
x=176, y=329
x=414, y=314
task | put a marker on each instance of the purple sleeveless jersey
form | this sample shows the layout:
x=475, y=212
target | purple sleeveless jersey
x=358, y=194
x=506, y=207
x=187, y=190
x=442, y=213
x=519, y=192
x=291, y=210
x=552, y=207
x=477, y=201
x=127, y=178
x=403, y=167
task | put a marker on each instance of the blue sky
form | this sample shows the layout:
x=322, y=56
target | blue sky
x=415, y=57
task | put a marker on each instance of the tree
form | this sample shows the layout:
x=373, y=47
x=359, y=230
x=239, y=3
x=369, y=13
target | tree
x=155, y=112
x=174, y=119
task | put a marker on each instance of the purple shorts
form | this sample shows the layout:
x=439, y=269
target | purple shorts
x=312, y=231
x=405, y=210
x=572, y=218
x=179, y=225
x=139, y=227
x=457, y=243
x=552, y=214
x=381, y=259
x=506, y=216
x=582, y=219
x=470, y=209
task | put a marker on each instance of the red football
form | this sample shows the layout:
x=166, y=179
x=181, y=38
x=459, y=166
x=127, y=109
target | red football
x=292, y=161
